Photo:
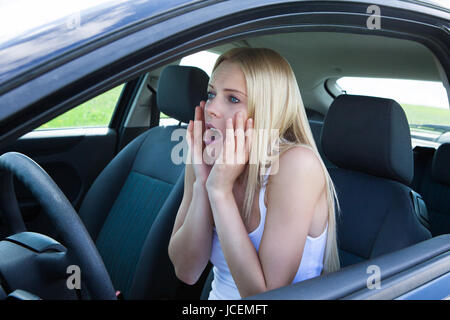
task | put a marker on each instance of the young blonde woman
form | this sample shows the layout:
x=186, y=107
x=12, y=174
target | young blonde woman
x=262, y=227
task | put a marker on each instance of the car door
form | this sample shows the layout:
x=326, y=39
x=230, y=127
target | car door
x=73, y=149
x=151, y=43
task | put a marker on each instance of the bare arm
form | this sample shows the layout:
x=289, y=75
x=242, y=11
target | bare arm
x=189, y=179
x=294, y=191
x=191, y=240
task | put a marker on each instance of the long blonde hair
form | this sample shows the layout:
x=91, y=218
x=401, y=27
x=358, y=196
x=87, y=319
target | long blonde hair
x=275, y=103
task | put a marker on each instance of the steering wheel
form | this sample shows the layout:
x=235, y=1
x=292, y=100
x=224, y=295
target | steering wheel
x=81, y=250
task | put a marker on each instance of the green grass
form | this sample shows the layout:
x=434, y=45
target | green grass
x=97, y=112
x=426, y=115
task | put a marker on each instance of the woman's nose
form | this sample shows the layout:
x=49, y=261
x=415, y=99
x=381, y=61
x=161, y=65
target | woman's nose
x=212, y=109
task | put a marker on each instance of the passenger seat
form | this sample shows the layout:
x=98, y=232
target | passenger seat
x=316, y=129
x=433, y=183
x=368, y=140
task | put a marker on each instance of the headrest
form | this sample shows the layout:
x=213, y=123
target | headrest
x=440, y=167
x=370, y=135
x=180, y=89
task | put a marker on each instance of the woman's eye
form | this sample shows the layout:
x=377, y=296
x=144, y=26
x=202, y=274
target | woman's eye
x=234, y=99
x=210, y=95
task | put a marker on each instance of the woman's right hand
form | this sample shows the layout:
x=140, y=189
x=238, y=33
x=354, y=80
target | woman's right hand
x=194, y=137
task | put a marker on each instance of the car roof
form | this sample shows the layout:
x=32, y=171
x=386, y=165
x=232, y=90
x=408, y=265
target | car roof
x=56, y=27
x=443, y=4
x=44, y=36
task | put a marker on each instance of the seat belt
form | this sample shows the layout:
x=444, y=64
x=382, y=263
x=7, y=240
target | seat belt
x=154, y=110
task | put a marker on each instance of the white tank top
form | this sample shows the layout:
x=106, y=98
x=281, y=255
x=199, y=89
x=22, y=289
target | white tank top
x=223, y=285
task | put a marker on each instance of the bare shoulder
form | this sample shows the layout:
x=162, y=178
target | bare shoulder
x=297, y=162
x=297, y=171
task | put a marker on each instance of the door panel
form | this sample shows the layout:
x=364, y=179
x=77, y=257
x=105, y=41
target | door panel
x=72, y=157
x=405, y=271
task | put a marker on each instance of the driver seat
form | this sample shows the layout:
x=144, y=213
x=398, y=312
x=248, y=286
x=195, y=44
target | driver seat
x=130, y=208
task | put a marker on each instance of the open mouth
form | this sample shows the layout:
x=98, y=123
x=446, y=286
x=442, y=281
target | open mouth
x=211, y=134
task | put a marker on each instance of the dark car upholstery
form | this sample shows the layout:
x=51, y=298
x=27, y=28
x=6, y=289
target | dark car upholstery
x=130, y=208
x=316, y=129
x=432, y=181
x=368, y=139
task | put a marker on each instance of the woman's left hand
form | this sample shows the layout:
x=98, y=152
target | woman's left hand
x=233, y=156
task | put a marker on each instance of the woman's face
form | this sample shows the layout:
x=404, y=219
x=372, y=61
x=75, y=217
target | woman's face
x=227, y=95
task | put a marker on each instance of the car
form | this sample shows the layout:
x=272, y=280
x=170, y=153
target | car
x=88, y=207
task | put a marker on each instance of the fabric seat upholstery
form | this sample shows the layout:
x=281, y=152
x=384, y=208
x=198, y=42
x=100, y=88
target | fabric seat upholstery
x=439, y=195
x=130, y=208
x=316, y=129
x=432, y=181
x=368, y=139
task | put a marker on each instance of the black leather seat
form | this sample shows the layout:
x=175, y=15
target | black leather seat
x=130, y=209
x=368, y=139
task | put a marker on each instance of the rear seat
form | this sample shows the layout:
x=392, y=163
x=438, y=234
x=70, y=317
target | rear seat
x=432, y=181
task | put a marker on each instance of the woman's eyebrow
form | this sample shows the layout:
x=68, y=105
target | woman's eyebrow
x=226, y=89
x=234, y=90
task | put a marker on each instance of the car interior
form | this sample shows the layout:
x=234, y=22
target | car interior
x=126, y=190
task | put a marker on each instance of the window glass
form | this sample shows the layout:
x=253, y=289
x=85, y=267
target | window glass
x=425, y=102
x=96, y=112
x=204, y=60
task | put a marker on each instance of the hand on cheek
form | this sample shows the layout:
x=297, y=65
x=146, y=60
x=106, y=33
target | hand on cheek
x=234, y=154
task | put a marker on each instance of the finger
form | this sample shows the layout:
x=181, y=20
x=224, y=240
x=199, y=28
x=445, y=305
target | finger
x=201, y=115
x=201, y=111
x=189, y=133
x=229, y=146
x=198, y=137
x=189, y=142
x=240, y=139
x=248, y=138
x=198, y=113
